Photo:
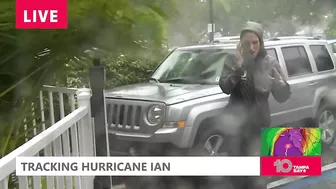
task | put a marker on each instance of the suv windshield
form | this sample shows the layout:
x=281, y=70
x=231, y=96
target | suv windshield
x=192, y=66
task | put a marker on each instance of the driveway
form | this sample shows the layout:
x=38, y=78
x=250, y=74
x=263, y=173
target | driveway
x=326, y=181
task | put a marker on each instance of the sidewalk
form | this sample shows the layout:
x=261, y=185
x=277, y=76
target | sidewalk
x=330, y=184
x=326, y=181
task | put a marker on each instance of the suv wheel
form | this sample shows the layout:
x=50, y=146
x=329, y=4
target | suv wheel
x=211, y=143
x=326, y=119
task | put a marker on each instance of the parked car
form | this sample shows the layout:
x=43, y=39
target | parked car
x=294, y=37
x=182, y=104
x=332, y=44
x=227, y=39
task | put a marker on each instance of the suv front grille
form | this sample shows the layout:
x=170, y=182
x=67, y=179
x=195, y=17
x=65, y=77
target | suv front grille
x=121, y=115
x=129, y=116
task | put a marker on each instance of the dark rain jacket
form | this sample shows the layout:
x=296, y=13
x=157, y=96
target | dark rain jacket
x=249, y=89
x=250, y=86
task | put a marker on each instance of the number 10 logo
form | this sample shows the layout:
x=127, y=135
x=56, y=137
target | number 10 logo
x=279, y=164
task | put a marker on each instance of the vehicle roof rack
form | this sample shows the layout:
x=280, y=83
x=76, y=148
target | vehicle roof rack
x=293, y=38
x=225, y=42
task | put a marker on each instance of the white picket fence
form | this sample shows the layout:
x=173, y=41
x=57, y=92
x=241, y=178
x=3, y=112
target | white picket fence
x=72, y=135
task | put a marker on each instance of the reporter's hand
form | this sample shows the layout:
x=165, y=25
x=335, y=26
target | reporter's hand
x=240, y=55
x=277, y=78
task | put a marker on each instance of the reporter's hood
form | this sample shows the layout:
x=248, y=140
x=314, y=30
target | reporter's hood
x=163, y=92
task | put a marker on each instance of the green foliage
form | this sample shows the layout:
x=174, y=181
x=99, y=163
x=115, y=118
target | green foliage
x=127, y=35
x=231, y=14
x=331, y=31
x=30, y=58
x=128, y=70
x=270, y=11
x=121, y=70
x=191, y=22
x=115, y=26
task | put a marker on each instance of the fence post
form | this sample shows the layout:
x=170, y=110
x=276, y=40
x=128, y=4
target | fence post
x=87, y=148
x=86, y=139
x=97, y=83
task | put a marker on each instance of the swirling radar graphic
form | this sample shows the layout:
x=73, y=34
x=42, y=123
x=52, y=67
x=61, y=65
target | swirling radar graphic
x=282, y=141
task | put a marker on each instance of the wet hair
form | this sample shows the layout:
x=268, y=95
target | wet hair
x=262, y=51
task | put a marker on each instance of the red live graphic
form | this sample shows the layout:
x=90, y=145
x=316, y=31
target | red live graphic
x=41, y=14
x=291, y=166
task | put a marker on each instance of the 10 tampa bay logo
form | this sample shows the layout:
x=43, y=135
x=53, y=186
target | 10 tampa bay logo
x=286, y=166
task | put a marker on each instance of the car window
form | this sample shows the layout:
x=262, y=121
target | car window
x=202, y=66
x=322, y=57
x=296, y=60
x=272, y=53
x=208, y=68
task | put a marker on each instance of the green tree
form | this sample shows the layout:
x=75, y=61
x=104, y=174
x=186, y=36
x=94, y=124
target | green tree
x=230, y=15
x=30, y=58
x=190, y=24
x=270, y=11
x=331, y=31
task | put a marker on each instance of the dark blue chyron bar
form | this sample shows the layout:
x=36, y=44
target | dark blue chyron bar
x=326, y=181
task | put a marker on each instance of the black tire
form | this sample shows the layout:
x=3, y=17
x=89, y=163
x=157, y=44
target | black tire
x=332, y=110
x=205, y=135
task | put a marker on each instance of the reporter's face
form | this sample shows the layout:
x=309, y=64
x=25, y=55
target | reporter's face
x=252, y=43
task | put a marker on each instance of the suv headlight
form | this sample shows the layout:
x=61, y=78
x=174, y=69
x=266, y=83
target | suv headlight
x=155, y=114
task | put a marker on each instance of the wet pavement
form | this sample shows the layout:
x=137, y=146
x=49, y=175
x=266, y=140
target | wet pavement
x=324, y=184
x=326, y=181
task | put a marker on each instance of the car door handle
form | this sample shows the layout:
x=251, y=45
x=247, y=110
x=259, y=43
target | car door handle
x=313, y=83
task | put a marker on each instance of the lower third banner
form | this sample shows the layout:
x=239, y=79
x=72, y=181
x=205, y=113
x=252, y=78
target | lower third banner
x=137, y=166
x=291, y=166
